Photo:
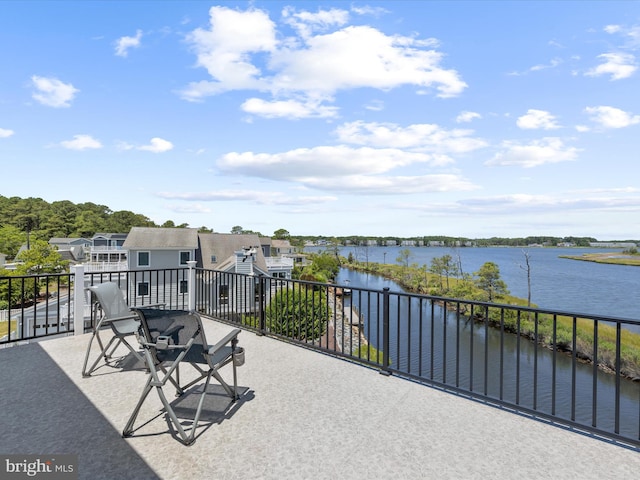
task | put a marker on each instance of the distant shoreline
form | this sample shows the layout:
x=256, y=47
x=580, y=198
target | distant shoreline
x=614, y=258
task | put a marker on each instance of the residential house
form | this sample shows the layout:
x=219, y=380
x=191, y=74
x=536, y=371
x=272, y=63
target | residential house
x=232, y=254
x=73, y=250
x=280, y=247
x=3, y=258
x=284, y=250
x=153, y=249
x=107, y=253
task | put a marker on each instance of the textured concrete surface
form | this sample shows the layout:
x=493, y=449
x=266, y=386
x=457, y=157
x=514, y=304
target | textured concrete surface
x=303, y=415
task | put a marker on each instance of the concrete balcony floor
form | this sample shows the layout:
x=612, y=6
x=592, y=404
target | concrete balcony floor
x=303, y=415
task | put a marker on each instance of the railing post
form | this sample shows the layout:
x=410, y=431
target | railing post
x=385, y=332
x=261, y=305
x=78, y=300
x=191, y=285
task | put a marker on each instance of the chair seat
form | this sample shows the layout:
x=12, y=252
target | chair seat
x=127, y=327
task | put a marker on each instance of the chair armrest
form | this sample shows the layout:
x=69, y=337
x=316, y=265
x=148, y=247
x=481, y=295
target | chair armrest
x=131, y=316
x=150, y=305
x=227, y=338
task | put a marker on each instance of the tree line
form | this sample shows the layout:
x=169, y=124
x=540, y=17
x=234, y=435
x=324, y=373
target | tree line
x=31, y=219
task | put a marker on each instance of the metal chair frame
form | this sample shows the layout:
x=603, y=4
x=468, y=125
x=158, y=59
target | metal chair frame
x=163, y=357
x=114, y=312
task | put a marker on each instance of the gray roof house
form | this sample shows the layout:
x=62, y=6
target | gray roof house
x=153, y=249
x=232, y=254
x=223, y=251
x=71, y=249
x=157, y=248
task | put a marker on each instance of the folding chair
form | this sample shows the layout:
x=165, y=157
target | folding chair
x=118, y=315
x=168, y=341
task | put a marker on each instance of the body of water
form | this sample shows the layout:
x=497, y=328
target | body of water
x=556, y=283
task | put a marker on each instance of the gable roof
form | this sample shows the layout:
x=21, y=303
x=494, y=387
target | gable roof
x=222, y=246
x=162, y=238
x=69, y=241
x=111, y=235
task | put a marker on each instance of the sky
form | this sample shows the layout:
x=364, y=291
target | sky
x=375, y=118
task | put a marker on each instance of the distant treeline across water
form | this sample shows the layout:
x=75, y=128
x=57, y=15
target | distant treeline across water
x=556, y=283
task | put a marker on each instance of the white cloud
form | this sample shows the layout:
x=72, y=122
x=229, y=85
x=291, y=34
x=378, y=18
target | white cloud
x=536, y=203
x=123, y=44
x=392, y=185
x=225, y=49
x=466, y=117
x=537, y=119
x=6, y=133
x=157, y=145
x=258, y=197
x=534, y=154
x=288, y=109
x=244, y=50
x=612, y=28
x=306, y=22
x=552, y=64
x=618, y=65
x=345, y=169
x=81, y=142
x=375, y=105
x=420, y=137
x=324, y=161
x=610, y=117
x=52, y=92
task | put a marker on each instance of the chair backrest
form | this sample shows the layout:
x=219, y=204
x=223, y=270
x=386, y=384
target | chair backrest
x=179, y=326
x=111, y=299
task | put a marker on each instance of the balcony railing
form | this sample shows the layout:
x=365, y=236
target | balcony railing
x=573, y=369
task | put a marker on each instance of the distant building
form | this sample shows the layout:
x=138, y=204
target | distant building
x=107, y=253
x=74, y=250
x=613, y=244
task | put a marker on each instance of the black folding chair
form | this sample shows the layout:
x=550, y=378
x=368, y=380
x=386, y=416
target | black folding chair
x=170, y=338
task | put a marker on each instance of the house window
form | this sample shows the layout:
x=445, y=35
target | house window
x=183, y=286
x=223, y=294
x=185, y=257
x=143, y=289
x=144, y=259
x=214, y=259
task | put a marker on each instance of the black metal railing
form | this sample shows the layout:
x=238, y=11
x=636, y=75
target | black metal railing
x=578, y=370
x=574, y=369
x=143, y=287
x=35, y=306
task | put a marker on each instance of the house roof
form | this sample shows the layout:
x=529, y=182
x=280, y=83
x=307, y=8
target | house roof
x=280, y=243
x=111, y=235
x=68, y=241
x=162, y=238
x=222, y=246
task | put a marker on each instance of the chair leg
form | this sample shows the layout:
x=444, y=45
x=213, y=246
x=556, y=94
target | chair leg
x=128, y=428
x=87, y=372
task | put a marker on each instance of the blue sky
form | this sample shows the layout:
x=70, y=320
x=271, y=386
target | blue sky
x=466, y=118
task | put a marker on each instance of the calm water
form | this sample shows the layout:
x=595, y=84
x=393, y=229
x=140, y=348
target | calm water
x=556, y=283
